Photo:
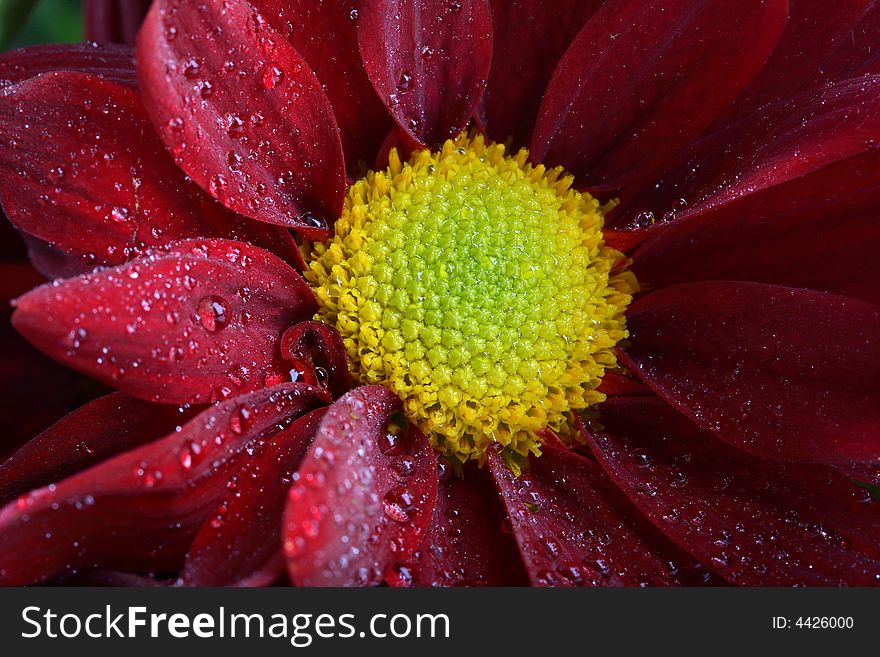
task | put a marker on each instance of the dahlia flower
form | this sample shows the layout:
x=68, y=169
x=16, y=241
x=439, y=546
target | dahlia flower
x=424, y=292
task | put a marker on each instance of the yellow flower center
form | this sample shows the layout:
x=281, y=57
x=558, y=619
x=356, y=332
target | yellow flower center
x=478, y=288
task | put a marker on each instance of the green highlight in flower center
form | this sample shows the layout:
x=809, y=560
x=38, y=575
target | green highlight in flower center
x=478, y=288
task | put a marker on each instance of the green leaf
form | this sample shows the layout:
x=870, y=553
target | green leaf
x=871, y=488
x=13, y=16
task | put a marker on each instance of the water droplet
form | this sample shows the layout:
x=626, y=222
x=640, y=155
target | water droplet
x=212, y=312
x=241, y=420
x=314, y=221
x=273, y=75
x=404, y=83
x=398, y=503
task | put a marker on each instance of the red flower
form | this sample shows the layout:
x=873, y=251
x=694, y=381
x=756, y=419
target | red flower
x=739, y=438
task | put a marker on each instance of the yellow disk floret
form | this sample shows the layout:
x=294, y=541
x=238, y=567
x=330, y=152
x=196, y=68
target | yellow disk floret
x=478, y=288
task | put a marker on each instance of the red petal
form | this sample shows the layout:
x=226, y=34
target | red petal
x=465, y=544
x=756, y=522
x=641, y=80
x=812, y=35
x=574, y=529
x=776, y=371
x=242, y=112
x=197, y=322
x=70, y=176
x=527, y=42
x=240, y=544
x=362, y=499
x=114, y=21
x=89, y=435
x=107, y=61
x=428, y=61
x=325, y=33
x=141, y=509
x=818, y=253
x=317, y=352
x=813, y=155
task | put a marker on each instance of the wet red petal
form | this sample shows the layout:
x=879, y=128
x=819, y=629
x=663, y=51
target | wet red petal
x=70, y=176
x=574, y=529
x=756, y=522
x=240, y=544
x=107, y=61
x=325, y=34
x=642, y=80
x=197, y=322
x=616, y=385
x=776, y=371
x=427, y=60
x=528, y=39
x=114, y=21
x=811, y=156
x=466, y=543
x=317, y=353
x=362, y=498
x=141, y=509
x=242, y=112
x=100, y=429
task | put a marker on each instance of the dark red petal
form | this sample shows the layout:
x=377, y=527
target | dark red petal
x=114, y=21
x=641, y=80
x=362, y=498
x=528, y=39
x=81, y=168
x=427, y=60
x=778, y=372
x=325, y=33
x=830, y=253
x=316, y=352
x=574, y=529
x=756, y=522
x=240, y=544
x=91, y=434
x=197, y=322
x=242, y=112
x=466, y=543
x=813, y=155
x=107, y=61
x=812, y=35
x=141, y=509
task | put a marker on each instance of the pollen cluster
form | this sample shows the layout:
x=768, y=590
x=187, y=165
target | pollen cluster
x=477, y=287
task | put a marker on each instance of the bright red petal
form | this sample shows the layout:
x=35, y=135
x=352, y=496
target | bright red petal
x=754, y=521
x=528, y=39
x=107, y=61
x=100, y=429
x=775, y=371
x=240, y=544
x=81, y=168
x=325, y=34
x=242, y=112
x=197, y=322
x=140, y=510
x=467, y=543
x=362, y=498
x=428, y=61
x=642, y=80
